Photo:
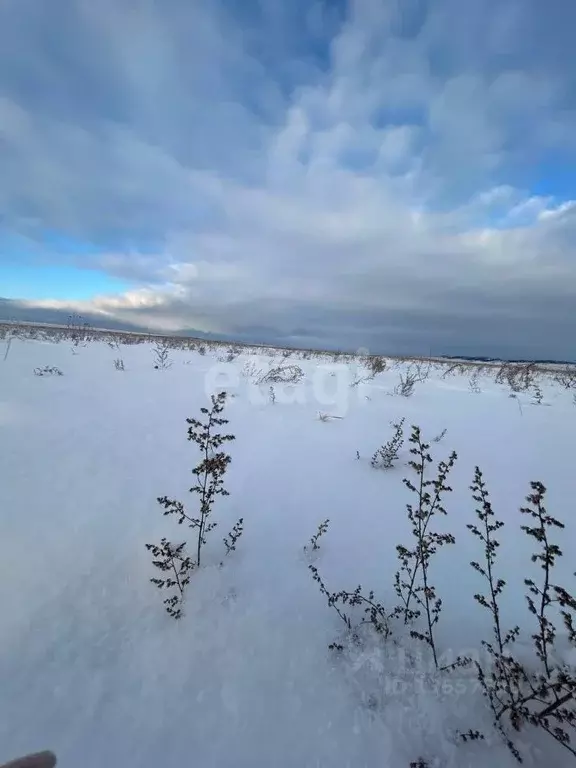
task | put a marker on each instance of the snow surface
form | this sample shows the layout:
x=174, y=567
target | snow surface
x=91, y=666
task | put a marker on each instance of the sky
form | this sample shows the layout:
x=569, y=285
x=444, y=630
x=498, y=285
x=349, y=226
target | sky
x=393, y=176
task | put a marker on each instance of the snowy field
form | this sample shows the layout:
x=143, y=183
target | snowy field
x=93, y=668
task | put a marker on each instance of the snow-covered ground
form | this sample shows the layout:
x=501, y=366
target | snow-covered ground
x=92, y=667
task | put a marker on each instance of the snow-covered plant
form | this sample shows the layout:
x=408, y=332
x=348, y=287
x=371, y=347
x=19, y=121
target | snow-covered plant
x=518, y=377
x=361, y=380
x=452, y=370
x=373, y=612
x=517, y=694
x=172, y=560
x=313, y=545
x=251, y=371
x=78, y=330
x=412, y=581
x=406, y=384
x=387, y=454
x=503, y=374
x=420, y=369
x=537, y=395
x=282, y=374
x=440, y=436
x=527, y=375
x=566, y=377
x=376, y=364
x=209, y=473
x=232, y=537
x=48, y=370
x=161, y=353
x=119, y=364
x=323, y=416
x=272, y=395
x=473, y=384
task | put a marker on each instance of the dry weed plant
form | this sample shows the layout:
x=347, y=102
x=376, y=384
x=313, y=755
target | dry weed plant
x=518, y=376
x=519, y=694
x=387, y=455
x=473, y=384
x=161, y=354
x=282, y=374
x=566, y=377
x=406, y=384
x=313, y=545
x=48, y=370
x=440, y=436
x=322, y=416
x=209, y=473
x=251, y=371
x=412, y=581
x=78, y=331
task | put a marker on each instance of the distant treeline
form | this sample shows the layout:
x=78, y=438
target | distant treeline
x=505, y=360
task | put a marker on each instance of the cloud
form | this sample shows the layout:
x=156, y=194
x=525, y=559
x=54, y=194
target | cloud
x=359, y=173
